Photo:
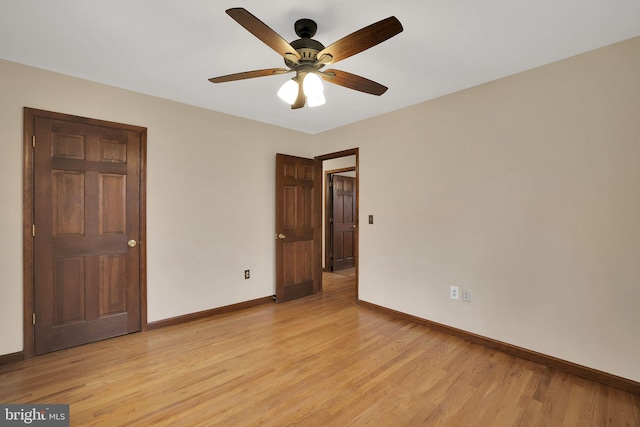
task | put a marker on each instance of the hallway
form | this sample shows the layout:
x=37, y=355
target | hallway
x=340, y=284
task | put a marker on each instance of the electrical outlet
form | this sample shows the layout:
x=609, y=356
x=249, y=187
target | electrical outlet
x=247, y=274
x=454, y=292
x=466, y=295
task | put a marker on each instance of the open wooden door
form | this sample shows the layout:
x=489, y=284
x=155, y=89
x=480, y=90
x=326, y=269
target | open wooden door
x=298, y=227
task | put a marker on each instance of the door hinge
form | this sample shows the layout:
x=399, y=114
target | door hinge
x=33, y=230
x=34, y=319
x=33, y=141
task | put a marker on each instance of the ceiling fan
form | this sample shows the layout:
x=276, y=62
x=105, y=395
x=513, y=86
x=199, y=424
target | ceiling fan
x=306, y=57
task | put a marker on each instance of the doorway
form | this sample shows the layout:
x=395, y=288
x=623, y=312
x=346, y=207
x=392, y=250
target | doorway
x=342, y=282
x=340, y=225
x=84, y=230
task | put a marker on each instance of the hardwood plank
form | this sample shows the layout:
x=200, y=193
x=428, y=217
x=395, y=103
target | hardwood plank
x=523, y=353
x=207, y=313
x=340, y=284
x=320, y=360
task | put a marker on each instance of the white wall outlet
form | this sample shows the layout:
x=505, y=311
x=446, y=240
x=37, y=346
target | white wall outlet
x=466, y=295
x=454, y=292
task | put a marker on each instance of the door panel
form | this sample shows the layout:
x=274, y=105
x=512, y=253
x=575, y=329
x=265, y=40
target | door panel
x=298, y=228
x=112, y=215
x=67, y=189
x=343, y=232
x=86, y=208
x=68, y=291
x=113, y=298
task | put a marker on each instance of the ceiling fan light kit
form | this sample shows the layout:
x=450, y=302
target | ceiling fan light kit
x=306, y=57
x=289, y=91
x=316, y=100
x=312, y=85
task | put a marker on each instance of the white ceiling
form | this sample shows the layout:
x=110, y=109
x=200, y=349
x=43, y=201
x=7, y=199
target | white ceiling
x=169, y=48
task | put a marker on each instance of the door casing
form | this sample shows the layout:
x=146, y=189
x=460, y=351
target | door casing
x=336, y=155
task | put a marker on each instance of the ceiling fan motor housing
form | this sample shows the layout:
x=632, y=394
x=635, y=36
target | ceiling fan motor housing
x=307, y=47
x=305, y=28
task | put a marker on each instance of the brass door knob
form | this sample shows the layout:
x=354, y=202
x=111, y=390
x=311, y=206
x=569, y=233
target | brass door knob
x=280, y=236
x=132, y=243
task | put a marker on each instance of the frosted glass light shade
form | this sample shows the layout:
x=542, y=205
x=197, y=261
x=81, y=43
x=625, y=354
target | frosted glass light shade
x=316, y=100
x=288, y=92
x=312, y=85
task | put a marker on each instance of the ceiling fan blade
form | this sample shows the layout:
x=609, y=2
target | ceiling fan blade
x=249, y=75
x=300, y=100
x=361, y=40
x=263, y=32
x=353, y=81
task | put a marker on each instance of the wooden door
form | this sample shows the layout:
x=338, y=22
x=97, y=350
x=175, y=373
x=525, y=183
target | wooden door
x=343, y=202
x=86, y=203
x=298, y=227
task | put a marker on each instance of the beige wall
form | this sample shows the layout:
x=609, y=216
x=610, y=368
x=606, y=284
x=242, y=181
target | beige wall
x=525, y=190
x=210, y=201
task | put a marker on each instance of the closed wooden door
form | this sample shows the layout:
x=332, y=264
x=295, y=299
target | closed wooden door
x=343, y=202
x=298, y=227
x=86, y=231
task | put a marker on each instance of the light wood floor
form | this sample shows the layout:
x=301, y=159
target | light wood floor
x=318, y=361
x=340, y=284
